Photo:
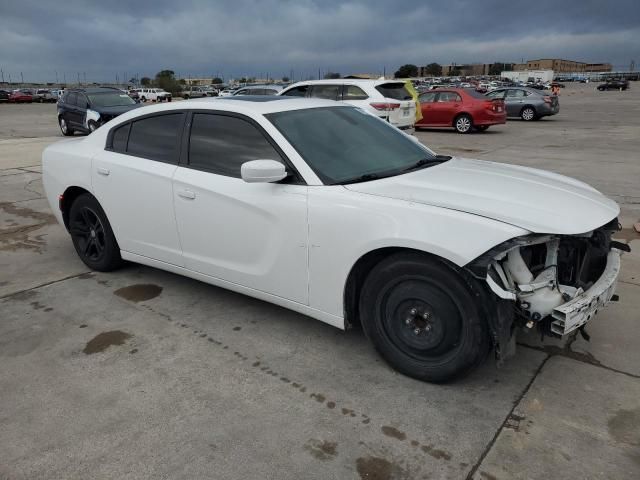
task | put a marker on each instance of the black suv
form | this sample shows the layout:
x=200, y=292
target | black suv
x=86, y=109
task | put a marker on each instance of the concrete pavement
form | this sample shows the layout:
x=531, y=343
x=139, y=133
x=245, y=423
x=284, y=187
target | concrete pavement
x=143, y=374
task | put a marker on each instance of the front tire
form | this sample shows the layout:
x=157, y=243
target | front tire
x=66, y=130
x=463, y=124
x=92, y=236
x=527, y=114
x=421, y=315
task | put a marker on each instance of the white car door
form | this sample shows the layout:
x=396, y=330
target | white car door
x=132, y=180
x=249, y=234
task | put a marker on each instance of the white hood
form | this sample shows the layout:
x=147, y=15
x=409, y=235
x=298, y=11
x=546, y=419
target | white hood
x=536, y=200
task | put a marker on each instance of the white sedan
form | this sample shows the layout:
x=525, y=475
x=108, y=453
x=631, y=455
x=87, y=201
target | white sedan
x=327, y=210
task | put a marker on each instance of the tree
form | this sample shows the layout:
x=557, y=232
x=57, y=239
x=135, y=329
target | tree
x=182, y=81
x=217, y=80
x=145, y=81
x=166, y=80
x=406, y=71
x=132, y=80
x=285, y=79
x=332, y=75
x=433, y=69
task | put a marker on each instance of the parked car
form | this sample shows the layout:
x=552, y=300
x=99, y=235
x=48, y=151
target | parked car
x=324, y=209
x=43, y=95
x=387, y=99
x=258, y=90
x=463, y=109
x=4, y=95
x=153, y=95
x=134, y=94
x=193, y=92
x=21, y=96
x=614, y=85
x=527, y=103
x=86, y=109
x=226, y=92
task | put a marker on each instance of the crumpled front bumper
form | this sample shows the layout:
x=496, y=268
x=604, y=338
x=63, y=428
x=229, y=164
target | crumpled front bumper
x=579, y=310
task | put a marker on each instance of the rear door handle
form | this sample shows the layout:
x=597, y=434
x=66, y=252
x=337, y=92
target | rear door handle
x=103, y=171
x=188, y=194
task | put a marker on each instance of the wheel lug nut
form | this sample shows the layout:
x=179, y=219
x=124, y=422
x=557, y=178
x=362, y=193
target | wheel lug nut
x=428, y=328
x=426, y=316
x=413, y=311
x=416, y=331
x=407, y=321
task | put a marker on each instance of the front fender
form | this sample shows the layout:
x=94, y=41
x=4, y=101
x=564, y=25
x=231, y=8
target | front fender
x=345, y=225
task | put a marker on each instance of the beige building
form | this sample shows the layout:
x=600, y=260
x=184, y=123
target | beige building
x=559, y=65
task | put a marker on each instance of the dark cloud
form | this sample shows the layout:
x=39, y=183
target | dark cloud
x=244, y=37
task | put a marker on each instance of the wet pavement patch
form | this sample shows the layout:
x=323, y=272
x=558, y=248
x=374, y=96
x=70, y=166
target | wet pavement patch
x=624, y=427
x=394, y=433
x=322, y=450
x=139, y=292
x=104, y=340
x=376, y=468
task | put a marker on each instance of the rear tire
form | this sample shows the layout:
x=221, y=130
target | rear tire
x=92, y=236
x=422, y=317
x=463, y=123
x=527, y=114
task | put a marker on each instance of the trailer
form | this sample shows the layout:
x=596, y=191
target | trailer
x=538, y=76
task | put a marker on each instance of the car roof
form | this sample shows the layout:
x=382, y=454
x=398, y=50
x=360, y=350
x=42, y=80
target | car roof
x=352, y=81
x=250, y=105
x=94, y=90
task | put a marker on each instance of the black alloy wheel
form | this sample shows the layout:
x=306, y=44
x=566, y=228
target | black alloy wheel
x=92, y=236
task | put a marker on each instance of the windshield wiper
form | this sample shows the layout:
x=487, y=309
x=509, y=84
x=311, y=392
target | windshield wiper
x=362, y=178
x=427, y=162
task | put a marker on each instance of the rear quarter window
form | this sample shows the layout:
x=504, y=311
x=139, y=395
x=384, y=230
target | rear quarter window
x=395, y=90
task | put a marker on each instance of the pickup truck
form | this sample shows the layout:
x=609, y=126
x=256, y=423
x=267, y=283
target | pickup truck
x=153, y=94
x=193, y=92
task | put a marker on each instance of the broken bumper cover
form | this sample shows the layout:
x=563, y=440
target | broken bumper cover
x=578, y=311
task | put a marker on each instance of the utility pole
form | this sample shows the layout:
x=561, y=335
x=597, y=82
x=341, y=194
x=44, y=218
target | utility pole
x=78, y=78
x=318, y=74
x=56, y=77
x=21, y=79
x=2, y=71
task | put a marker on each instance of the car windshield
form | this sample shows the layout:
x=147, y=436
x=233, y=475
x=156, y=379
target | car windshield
x=110, y=99
x=347, y=145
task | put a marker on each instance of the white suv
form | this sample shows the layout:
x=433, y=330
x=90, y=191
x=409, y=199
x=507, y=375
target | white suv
x=153, y=94
x=387, y=99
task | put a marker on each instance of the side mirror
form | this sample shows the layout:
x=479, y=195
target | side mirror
x=262, y=171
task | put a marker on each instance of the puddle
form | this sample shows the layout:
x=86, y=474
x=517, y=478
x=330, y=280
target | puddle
x=376, y=468
x=393, y=433
x=322, y=450
x=139, y=292
x=104, y=340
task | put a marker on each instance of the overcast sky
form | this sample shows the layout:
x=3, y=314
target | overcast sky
x=100, y=39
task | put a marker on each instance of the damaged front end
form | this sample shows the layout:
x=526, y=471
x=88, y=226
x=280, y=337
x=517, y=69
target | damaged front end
x=553, y=283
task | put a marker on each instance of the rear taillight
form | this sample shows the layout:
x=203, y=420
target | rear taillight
x=493, y=105
x=548, y=99
x=385, y=107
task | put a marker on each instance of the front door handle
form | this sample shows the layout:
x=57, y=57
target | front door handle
x=103, y=171
x=188, y=194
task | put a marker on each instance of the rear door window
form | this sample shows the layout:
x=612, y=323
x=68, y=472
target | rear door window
x=516, y=93
x=156, y=138
x=395, y=90
x=448, y=97
x=328, y=92
x=119, y=138
x=300, y=91
x=353, y=92
x=71, y=98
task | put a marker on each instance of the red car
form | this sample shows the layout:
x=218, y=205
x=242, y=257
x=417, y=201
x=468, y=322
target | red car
x=461, y=108
x=19, y=96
